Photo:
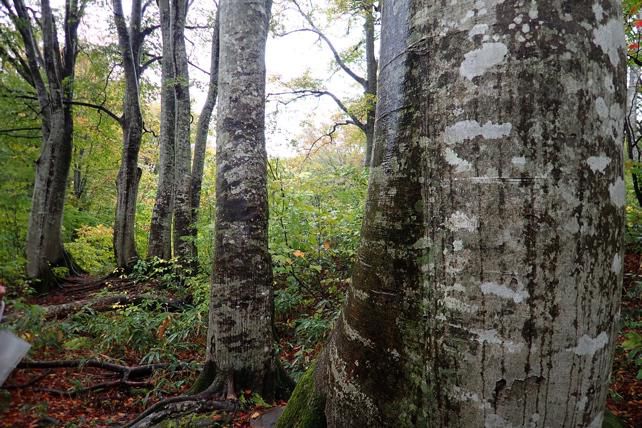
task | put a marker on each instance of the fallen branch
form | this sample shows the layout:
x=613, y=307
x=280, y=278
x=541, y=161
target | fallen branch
x=128, y=372
x=103, y=304
x=105, y=385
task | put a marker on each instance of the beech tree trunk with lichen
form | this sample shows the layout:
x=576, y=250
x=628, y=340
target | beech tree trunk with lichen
x=183, y=243
x=240, y=350
x=160, y=230
x=129, y=42
x=486, y=288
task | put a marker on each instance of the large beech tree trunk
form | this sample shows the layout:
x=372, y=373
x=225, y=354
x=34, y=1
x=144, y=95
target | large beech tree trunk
x=50, y=71
x=160, y=232
x=486, y=288
x=240, y=340
x=132, y=126
x=183, y=242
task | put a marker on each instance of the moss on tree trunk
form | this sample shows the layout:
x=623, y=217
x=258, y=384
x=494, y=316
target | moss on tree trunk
x=306, y=408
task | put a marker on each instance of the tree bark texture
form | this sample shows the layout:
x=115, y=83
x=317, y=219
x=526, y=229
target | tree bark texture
x=50, y=71
x=160, y=232
x=486, y=288
x=132, y=126
x=240, y=340
x=183, y=244
x=202, y=130
x=371, y=83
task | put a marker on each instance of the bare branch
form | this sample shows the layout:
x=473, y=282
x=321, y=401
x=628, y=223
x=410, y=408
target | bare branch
x=314, y=29
x=302, y=93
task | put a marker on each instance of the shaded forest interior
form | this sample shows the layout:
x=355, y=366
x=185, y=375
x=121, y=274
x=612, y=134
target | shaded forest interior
x=294, y=213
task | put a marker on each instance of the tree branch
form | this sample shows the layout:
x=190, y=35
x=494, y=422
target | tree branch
x=363, y=82
x=302, y=93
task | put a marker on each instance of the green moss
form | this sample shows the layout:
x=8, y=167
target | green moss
x=189, y=421
x=306, y=408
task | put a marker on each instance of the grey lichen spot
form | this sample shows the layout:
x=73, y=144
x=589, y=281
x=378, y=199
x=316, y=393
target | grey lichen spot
x=517, y=296
x=493, y=338
x=616, y=265
x=601, y=108
x=460, y=221
x=469, y=129
x=460, y=164
x=478, y=29
x=617, y=193
x=588, y=345
x=598, y=11
x=610, y=38
x=598, y=163
x=476, y=62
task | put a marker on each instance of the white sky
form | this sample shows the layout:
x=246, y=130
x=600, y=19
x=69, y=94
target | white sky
x=288, y=57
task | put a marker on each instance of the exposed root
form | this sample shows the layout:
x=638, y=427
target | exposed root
x=203, y=401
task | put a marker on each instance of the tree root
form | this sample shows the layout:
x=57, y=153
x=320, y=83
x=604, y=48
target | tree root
x=183, y=404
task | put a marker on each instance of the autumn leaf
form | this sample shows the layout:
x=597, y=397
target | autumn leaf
x=161, y=329
x=326, y=244
x=298, y=253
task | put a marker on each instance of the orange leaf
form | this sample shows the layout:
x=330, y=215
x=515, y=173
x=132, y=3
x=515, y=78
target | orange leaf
x=326, y=244
x=161, y=329
x=298, y=253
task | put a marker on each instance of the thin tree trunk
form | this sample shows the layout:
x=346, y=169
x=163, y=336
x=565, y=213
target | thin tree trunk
x=132, y=126
x=183, y=157
x=371, y=83
x=202, y=131
x=240, y=340
x=632, y=128
x=486, y=289
x=160, y=233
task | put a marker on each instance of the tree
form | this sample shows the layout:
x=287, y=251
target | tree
x=359, y=114
x=202, y=130
x=183, y=154
x=49, y=70
x=179, y=182
x=130, y=41
x=240, y=351
x=487, y=283
x=160, y=231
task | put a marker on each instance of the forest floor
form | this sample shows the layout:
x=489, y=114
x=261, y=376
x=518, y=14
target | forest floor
x=38, y=397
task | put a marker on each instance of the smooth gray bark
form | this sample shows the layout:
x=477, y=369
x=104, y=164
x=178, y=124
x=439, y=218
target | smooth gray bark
x=240, y=340
x=183, y=243
x=202, y=130
x=371, y=81
x=129, y=41
x=486, y=288
x=50, y=71
x=160, y=232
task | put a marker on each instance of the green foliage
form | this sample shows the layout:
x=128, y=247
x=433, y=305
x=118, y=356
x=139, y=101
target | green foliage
x=633, y=345
x=93, y=248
